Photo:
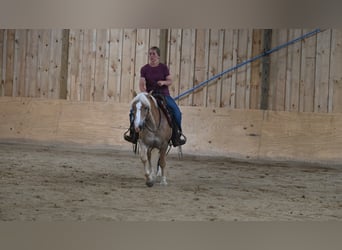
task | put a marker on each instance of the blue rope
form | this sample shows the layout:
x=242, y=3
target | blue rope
x=265, y=53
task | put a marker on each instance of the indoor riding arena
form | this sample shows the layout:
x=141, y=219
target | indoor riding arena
x=262, y=113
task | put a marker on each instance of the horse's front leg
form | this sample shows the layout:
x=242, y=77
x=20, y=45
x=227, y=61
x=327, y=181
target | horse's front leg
x=145, y=155
x=150, y=171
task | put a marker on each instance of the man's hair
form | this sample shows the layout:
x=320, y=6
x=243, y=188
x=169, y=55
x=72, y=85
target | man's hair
x=156, y=49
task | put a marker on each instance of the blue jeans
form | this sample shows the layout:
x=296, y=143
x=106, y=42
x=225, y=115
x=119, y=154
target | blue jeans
x=173, y=108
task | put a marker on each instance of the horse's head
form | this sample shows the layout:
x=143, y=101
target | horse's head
x=141, y=106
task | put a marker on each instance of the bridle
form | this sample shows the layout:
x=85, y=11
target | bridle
x=147, y=118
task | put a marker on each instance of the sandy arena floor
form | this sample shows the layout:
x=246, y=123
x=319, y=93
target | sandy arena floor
x=50, y=183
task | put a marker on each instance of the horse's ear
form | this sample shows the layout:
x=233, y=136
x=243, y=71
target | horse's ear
x=150, y=93
x=134, y=93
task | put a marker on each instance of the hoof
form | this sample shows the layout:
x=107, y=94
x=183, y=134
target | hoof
x=149, y=183
x=163, y=181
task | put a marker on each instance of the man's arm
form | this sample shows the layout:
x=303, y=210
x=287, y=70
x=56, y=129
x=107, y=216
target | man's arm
x=142, y=84
x=167, y=81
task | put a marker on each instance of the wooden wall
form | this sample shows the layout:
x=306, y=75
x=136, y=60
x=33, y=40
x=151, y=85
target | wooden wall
x=307, y=76
x=103, y=65
x=196, y=55
x=30, y=62
x=243, y=134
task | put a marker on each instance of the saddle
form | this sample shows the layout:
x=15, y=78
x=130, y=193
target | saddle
x=176, y=133
x=162, y=105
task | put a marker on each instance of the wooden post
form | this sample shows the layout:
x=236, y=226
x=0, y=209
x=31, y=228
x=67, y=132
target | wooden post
x=64, y=65
x=265, y=70
x=163, y=45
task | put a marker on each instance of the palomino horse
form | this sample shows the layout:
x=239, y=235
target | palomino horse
x=154, y=133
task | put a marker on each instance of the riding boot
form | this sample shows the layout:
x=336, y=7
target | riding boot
x=178, y=138
x=132, y=136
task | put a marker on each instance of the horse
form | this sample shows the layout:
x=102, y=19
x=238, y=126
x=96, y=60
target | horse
x=154, y=131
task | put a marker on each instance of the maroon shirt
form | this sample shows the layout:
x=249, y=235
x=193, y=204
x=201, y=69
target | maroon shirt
x=154, y=74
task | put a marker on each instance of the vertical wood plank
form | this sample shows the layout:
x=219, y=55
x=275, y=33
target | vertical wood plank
x=74, y=59
x=128, y=56
x=227, y=63
x=154, y=37
x=106, y=94
x=16, y=64
x=55, y=64
x=79, y=83
x=63, y=79
x=38, y=87
x=31, y=63
x=187, y=65
x=174, y=55
x=265, y=69
x=44, y=48
x=192, y=66
x=255, y=81
x=163, y=40
x=307, y=74
x=115, y=61
x=207, y=68
x=335, y=95
x=21, y=50
x=4, y=61
x=293, y=72
x=101, y=66
x=213, y=67
x=248, y=68
x=241, y=81
x=2, y=45
x=94, y=49
x=88, y=65
x=220, y=67
x=278, y=71
x=201, y=65
x=322, y=71
x=10, y=49
x=142, y=47
x=235, y=61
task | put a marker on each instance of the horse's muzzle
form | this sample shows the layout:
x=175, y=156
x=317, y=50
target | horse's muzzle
x=139, y=127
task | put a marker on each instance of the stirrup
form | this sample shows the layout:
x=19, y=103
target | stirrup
x=179, y=141
x=130, y=138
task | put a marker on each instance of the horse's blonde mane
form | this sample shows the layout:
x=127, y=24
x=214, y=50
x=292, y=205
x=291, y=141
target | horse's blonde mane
x=143, y=97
